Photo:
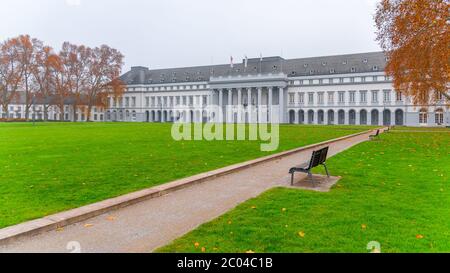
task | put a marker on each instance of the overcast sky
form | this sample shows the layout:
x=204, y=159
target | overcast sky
x=174, y=33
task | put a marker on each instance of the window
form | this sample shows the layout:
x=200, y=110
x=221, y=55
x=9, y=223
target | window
x=330, y=97
x=320, y=97
x=301, y=98
x=423, y=116
x=95, y=117
x=291, y=98
x=387, y=95
x=439, y=116
x=352, y=96
x=375, y=68
x=365, y=60
x=147, y=101
x=311, y=98
x=341, y=97
x=374, y=96
x=332, y=71
x=363, y=96
x=353, y=69
x=133, y=101
x=399, y=96
x=439, y=96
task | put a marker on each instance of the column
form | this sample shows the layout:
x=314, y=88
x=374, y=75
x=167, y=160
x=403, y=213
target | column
x=239, y=103
x=229, y=106
x=249, y=104
x=220, y=106
x=281, y=103
x=259, y=104
x=270, y=104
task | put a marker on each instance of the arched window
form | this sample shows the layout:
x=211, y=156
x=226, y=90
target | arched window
x=439, y=116
x=423, y=116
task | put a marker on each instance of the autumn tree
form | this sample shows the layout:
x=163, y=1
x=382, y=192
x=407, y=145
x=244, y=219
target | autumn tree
x=10, y=73
x=27, y=50
x=74, y=60
x=103, y=77
x=61, y=85
x=44, y=76
x=416, y=39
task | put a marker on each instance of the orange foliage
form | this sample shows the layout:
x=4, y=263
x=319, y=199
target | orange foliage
x=415, y=34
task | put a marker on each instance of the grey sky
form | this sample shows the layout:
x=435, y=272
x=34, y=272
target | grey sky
x=173, y=33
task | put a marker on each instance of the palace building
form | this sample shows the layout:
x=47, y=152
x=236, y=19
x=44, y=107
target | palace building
x=342, y=90
x=346, y=89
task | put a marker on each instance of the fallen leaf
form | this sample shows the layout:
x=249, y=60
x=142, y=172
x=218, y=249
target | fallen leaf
x=253, y=207
x=111, y=218
x=203, y=249
x=301, y=234
x=196, y=244
x=249, y=251
x=59, y=229
x=88, y=225
x=419, y=236
x=363, y=226
x=283, y=209
x=229, y=222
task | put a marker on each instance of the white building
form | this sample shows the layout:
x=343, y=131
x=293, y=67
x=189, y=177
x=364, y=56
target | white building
x=345, y=89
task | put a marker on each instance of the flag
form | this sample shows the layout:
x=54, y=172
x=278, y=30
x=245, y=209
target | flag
x=246, y=61
x=231, y=62
x=260, y=57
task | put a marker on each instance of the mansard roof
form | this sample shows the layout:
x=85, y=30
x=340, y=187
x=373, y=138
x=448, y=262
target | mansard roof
x=326, y=65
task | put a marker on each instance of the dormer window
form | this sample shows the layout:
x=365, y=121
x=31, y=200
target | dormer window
x=293, y=73
x=274, y=67
x=353, y=69
x=365, y=60
x=162, y=80
x=344, y=62
x=324, y=63
x=174, y=80
x=305, y=65
x=332, y=71
x=311, y=72
x=187, y=79
x=375, y=68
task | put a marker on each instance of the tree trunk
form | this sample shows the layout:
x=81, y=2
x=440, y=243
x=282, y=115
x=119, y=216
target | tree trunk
x=88, y=114
x=61, y=112
x=5, y=111
x=74, y=111
x=46, y=112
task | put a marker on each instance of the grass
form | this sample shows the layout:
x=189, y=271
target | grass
x=52, y=167
x=395, y=191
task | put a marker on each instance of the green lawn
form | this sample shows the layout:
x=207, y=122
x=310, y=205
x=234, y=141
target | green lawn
x=395, y=191
x=53, y=167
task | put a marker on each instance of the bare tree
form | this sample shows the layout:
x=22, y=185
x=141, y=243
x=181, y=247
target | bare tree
x=10, y=73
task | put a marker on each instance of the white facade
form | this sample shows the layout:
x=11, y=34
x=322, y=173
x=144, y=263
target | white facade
x=347, y=99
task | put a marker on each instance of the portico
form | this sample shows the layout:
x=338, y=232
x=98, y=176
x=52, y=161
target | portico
x=251, y=99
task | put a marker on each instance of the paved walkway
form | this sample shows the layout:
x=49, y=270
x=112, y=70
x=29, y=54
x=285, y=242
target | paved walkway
x=153, y=223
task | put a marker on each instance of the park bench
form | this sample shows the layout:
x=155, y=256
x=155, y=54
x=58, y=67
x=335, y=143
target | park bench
x=317, y=158
x=375, y=136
